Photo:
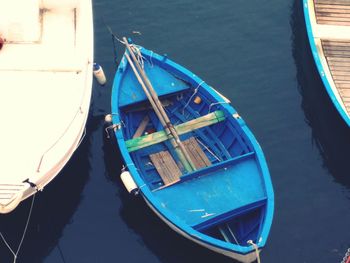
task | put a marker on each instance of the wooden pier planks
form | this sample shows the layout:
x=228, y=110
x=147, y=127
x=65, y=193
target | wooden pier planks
x=332, y=12
x=337, y=54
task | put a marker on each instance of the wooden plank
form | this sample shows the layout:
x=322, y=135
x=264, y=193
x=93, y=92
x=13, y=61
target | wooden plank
x=338, y=64
x=335, y=42
x=341, y=78
x=166, y=167
x=342, y=54
x=333, y=9
x=331, y=2
x=336, y=23
x=346, y=101
x=328, y=19
x=196, y=153
x=339, y=67
x=341, y=82
x=329, y=50
x=342, y=86
x=338, y=59
x=141, y=127
x=344, y=92
x=336, y=47
x=342, y=13
x=340, y=72
x=341, y=63
x=332, y=5
x=160, y=136
x=347, y=78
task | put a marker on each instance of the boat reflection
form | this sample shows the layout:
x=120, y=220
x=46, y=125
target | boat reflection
x=52, y=210
x=330, y=133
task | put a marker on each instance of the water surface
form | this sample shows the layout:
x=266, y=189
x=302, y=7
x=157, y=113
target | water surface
x=256, y=53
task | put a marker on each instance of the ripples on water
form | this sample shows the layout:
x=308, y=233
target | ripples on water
x=257, y=54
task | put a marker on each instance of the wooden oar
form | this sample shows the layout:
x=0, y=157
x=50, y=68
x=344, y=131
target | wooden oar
x=180, y=151
x=183, y=152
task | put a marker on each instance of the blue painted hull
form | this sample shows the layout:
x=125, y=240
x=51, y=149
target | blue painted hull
x=221, y=206
x=321, y=70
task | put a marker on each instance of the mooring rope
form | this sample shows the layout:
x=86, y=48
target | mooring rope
x=137, y=52
x=346, y=258
x=256, y=250
x=15, y=254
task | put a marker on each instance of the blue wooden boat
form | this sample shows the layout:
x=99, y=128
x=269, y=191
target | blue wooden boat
x=328, y=28
x=224, y=200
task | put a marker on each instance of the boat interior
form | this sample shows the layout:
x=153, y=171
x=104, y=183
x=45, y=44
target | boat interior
x=224, y=160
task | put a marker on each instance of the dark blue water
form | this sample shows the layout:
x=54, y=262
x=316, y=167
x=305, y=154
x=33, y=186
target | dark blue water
x=256, y=53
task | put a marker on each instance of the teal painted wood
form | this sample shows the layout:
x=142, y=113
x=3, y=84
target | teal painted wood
x=321, y=70
x=236, y=190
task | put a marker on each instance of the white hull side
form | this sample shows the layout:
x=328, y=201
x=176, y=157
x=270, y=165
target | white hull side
x=53, y=126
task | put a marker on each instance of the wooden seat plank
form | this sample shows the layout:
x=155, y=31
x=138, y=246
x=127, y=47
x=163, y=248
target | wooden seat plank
x=141, y=127
x=332, y=12
x=196, y=153
x=160, y=136
x=166, y=167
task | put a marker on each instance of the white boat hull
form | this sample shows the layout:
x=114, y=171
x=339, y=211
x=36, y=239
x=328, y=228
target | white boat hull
x=46, y=80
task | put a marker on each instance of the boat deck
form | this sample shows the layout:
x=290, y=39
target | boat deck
x=46, y=86
x=330, y=21
x=230, y=188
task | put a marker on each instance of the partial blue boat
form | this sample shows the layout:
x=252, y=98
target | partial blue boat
x=328, y=29
x=226, y=203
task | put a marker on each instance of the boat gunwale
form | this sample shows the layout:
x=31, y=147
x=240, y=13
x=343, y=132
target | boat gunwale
x=149, y=195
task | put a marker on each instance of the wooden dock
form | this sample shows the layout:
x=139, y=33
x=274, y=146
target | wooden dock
x=330, y=23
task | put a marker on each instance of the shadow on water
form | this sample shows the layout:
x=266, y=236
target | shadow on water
x=165, y=243
x=52, y=211
x=329, y=132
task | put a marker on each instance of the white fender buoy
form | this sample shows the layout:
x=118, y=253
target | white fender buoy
x=108, y=118
x=129, y=183
x=99, y=74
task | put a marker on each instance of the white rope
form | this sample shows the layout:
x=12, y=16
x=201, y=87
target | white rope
x=7, y=244
x=256, y=249
x=137, y=52
x=216, y=103
x=234, y=237
x=346, y=257
x=23, y=235
x=150, y=59
x=207, y=148
x=113, y=35
x=194, y=93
